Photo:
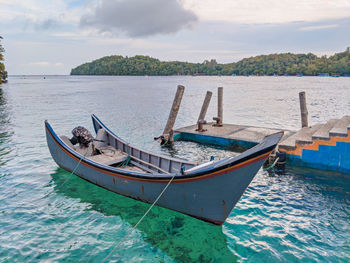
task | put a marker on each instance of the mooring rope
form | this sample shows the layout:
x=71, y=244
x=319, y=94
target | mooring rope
x=273, y=165
x=76, y=167
x=127, y=160
x=132, y=230
x=141, y=219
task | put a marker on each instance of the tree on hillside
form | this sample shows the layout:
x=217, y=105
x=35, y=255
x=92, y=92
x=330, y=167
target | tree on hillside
x=279, y=64
x=3, y=72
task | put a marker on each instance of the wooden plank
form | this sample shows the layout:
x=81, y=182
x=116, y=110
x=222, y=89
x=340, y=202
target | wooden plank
x=303, y=136
x=149, y=164
x=323, y=132
x=143, y=167
x=341, y=127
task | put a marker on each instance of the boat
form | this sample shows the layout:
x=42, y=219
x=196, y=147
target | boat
x=323, y=75
x=207, y=191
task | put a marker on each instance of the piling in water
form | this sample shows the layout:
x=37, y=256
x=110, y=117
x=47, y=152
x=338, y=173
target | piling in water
x=219, y=118
x=205, y=106
x=167, y=133
x=303, y=110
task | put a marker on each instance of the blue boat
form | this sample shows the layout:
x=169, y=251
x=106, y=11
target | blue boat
x=323, y=75
x=208, y=191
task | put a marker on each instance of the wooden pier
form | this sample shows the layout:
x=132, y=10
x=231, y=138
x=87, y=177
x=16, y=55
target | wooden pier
x=324, y=146
x=228, y=135
x=321, y=146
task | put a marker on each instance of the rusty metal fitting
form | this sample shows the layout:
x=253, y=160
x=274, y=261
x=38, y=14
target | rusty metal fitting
x=218, y=122
x=200, y=126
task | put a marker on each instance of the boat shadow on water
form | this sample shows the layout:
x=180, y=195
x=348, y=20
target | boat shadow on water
x=181, y=237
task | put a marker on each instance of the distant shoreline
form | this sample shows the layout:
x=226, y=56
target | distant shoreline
x=285, y=64
x=69, y=75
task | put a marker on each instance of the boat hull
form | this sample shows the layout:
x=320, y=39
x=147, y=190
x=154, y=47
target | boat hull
x=210, y=196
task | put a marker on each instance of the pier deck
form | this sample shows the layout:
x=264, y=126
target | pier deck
x=228, y=135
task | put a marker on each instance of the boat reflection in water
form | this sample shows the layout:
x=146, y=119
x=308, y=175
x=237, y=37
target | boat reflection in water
x=172, y=233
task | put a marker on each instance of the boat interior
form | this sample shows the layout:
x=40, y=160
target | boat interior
x=108, y=150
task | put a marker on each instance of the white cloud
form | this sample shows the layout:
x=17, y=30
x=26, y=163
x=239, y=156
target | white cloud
x=268, y=11
x=320, y=27
x=38, y=11
x=66, y=35
x=40, y=64
x=46, y=64
x=139, y=18
x=237, y=11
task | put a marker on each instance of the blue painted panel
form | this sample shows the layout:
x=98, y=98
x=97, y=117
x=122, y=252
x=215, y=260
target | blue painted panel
x=212, y=140
x=310, y=156
x=177, y=136
x=335, y=158
x=345, y=157
x=325, y=156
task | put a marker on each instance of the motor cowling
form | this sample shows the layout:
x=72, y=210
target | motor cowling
x=82, y=136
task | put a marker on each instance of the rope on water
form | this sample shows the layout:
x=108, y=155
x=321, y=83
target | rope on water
x=76, y=167
x=58, y=186
x=132, y=230
x=273, y=165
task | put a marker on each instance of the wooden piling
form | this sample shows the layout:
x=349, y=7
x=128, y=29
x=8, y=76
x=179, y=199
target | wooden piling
x=220, y=104
x=303, y=109
x=205, y=106
x=219, y=118
x=173, y=112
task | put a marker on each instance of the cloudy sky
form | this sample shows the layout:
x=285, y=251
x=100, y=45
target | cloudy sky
x=53, y=36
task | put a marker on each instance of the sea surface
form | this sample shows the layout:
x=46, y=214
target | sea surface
x=49, y=215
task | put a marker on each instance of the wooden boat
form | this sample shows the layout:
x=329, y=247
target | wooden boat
x=207, y=191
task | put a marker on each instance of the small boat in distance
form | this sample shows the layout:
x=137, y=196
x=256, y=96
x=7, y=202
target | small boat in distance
x=323, y=75
x=208, y=191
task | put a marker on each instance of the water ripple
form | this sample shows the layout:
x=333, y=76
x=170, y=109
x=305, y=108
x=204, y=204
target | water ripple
x=50, y=216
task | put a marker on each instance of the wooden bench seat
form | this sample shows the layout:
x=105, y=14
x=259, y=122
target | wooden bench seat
x=107, y=160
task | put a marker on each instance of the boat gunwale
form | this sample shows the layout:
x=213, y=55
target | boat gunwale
x=184, y=161
x=210, y=168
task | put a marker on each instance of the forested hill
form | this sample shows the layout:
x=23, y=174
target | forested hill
x=279, y=64
x=3, y=72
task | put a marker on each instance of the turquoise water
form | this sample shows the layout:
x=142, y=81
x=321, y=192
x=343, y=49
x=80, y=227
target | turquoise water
x=48, y=215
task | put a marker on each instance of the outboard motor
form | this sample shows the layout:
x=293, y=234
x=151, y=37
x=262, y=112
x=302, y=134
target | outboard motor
x=82, y=136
